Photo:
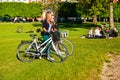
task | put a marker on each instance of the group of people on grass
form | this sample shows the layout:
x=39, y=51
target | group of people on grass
x=101, y=32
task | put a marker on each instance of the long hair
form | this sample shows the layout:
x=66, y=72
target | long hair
x=48, y=15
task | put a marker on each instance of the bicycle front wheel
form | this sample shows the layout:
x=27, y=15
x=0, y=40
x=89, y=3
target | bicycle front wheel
x=58, y=56
x=24, y=56
x=68, y=44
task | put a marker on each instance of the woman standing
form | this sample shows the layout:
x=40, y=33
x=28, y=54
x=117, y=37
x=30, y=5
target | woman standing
x=47, y=26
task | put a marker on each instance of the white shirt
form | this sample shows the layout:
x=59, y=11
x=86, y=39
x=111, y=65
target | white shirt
x=90, y=32
x=97, y=32
x=50, y=28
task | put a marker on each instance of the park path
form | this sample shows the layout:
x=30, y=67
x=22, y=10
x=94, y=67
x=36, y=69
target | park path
x=111, y=68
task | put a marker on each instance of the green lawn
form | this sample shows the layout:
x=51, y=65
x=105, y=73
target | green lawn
x=84, y=64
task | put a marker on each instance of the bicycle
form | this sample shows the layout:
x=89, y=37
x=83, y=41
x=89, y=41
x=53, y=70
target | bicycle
x=27, y=51
x=68, y=43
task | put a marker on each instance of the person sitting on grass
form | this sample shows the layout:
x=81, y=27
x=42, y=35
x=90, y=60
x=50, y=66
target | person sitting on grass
x=102, y=32
x=97, y=32
x=113, y=32
x=90, y=33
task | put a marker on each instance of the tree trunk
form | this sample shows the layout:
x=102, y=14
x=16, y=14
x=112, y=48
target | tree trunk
x=94, y=19
x=111, y=15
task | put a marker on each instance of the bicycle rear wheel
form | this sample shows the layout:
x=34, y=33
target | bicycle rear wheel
x=22, y=55
x=68, y=44
x=58, y=56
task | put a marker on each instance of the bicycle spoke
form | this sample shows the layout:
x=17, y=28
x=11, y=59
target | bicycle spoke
x=61, y=53
x=68, y=44
x=23, y=55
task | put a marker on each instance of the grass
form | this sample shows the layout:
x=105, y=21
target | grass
x=84, y=64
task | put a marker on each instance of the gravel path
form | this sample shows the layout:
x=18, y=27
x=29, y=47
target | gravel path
x=111, y=68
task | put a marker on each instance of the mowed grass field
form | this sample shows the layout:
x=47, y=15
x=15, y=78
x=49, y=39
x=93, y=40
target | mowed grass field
x=84, y=64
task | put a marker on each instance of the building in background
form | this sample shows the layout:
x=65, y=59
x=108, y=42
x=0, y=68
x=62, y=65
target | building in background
x=25, y=1
x=29, y=1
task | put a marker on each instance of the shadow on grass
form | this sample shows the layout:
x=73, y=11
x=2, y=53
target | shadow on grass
x=37, y=24
x=69, y=26
x=72, y=26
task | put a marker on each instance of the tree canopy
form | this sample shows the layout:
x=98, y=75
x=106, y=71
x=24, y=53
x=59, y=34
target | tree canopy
x=67, y=9
x=14, y=9
x=117, y=10
x=84, y=8
x=93, y=8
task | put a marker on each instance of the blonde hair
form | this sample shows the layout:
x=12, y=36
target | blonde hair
x=48, y=13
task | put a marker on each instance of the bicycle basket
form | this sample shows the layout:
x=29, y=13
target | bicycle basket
x=64, y=33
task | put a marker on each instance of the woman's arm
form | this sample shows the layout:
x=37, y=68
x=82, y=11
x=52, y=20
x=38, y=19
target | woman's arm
x=45, y=30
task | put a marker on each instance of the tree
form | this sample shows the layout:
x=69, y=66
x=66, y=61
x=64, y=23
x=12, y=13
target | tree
x=83, y=7
x=96, y=10
x=117, y=10
x=67, y=9
x=15, y=9
x=105, y=13
x=33, y=10
x=111, y=15
x=92, y=8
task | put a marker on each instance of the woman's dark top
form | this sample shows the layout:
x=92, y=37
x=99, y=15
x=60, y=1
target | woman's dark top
x=45, y=24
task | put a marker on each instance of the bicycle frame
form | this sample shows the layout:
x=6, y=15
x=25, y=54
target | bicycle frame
x=46, y=43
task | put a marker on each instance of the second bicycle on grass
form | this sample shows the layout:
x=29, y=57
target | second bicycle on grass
x=68, y=43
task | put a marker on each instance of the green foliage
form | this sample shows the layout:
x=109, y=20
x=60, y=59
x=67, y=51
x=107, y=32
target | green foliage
x=83, y=7
x=96, y=9
x=84, y=64
x=34, y=9
x=106, y=11
x=67, y=9
x=14, y=9
x=117, y=10
x=93, y=7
